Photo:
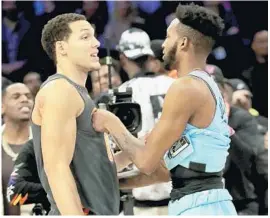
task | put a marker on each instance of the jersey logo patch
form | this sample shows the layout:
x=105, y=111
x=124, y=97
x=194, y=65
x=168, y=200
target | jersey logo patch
x=178, y=147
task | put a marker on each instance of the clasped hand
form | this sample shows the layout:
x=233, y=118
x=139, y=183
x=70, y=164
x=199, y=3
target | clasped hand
x=102, y=119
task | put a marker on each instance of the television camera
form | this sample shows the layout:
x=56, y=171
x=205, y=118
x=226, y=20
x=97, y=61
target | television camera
x=120, y=102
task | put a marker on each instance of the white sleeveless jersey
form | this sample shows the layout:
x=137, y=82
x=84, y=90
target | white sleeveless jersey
x=149, y=93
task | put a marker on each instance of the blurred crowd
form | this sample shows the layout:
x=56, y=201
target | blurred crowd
x=238, y=63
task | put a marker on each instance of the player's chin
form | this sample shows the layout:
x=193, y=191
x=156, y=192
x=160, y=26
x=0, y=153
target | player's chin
x=24, y=117
x=94, y=66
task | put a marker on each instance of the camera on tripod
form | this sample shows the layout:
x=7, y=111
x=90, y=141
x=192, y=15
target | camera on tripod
x=120, y=103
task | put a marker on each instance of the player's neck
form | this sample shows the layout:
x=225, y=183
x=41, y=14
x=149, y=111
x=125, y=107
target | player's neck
x=186, y=67
x=79, y=76
x=16, y=132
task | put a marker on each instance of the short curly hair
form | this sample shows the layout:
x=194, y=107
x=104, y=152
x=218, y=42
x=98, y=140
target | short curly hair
x=202, y=25
x=57, y=29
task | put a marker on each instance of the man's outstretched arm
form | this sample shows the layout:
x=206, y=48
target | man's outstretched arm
x=161, y=174
x=147, y=156
x=58, y=134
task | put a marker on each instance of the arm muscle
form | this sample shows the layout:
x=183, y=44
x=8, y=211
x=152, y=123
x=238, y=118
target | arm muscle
x=58, y=134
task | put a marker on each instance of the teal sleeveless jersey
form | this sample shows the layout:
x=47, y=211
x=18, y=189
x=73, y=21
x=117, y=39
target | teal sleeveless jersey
x=203, y=150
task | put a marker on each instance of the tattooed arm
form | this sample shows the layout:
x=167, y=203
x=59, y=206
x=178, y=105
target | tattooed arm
x=147, y=156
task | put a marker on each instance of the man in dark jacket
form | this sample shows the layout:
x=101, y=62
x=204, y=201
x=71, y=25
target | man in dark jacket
x=242, y=97
x=247, y=175
x=18, y=43
x=24, y=186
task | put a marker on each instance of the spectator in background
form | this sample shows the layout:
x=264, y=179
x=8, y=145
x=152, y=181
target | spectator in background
x=242, y=97
x=121, y=20
x=259, y=73
x=157, y=64
x=47, y=7
x=96, y=13
x=252, y=17
x=17, y=103
x=229, y=52
x=248, y=185
x=26, y=7
x=33, y=81
x=139, y=58
x=49, y=10
x=18, y=43
x=5, y=83
x=152, y=13
x=24, y=181
x=149, y=7
x=246, y=171
x=260, y=46
x=100, y=79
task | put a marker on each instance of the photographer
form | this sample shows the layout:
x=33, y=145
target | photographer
x=149, y=88
x=24, y=185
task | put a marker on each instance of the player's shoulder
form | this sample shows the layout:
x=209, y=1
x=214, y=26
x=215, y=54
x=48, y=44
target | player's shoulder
x=187, y=84
x=58, y=90
x=188, y=90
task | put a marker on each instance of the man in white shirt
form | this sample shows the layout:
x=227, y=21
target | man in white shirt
x=149, y=89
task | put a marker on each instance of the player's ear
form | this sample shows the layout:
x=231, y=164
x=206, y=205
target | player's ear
x=61, y=47
x=3, y=109
x=183, y=44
